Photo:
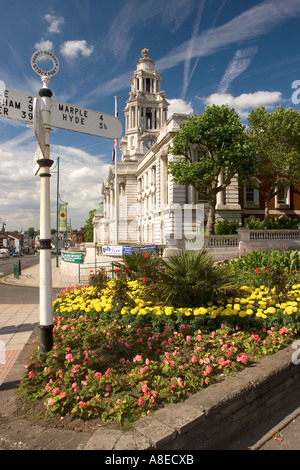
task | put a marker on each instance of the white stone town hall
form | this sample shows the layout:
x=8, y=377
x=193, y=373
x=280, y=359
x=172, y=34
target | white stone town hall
x=148, y=200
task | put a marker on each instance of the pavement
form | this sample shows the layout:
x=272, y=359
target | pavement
x=19, y=327
x=17, y=322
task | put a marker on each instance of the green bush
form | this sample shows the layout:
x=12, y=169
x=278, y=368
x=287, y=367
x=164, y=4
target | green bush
x=280, y=223
x=275, y=269
x=138, y=265
x=191, y=278
x=226, y=227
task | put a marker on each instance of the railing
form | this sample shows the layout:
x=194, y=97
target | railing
x=273, y=234
x=86, y=270
x=216, y=241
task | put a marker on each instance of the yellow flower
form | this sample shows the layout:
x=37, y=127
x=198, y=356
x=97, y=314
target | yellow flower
x=289, y=310
x=169, y=310
x=157, y=311
x=200, y=311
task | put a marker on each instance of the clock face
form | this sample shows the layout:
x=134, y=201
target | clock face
x=149, y=143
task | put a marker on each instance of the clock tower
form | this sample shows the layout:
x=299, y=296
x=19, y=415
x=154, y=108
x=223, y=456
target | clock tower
x=145, y=111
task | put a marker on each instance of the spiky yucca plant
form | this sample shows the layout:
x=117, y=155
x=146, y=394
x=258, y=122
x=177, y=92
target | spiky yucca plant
x=191, y=279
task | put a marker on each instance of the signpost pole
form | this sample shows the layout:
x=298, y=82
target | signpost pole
x=116, y=183
x=46, y=315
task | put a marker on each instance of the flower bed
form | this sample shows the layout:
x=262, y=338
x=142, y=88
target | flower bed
x=118, y=356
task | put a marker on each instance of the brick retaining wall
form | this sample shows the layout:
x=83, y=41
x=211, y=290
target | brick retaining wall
x=216, y=416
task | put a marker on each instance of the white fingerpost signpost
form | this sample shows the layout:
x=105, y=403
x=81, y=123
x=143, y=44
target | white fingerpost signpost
x=45, y=114
x=42, y=128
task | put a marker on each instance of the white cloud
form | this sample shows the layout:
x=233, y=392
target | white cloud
x=72, y=49
x=179, y=106
x=54, y=23
x=80, y=182
x=171, y=14
x=237, y=65
x=44, y=45
x=249, y=25
x=244, y=103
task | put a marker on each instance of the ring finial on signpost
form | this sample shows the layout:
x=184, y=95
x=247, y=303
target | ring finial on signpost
x=49, y=55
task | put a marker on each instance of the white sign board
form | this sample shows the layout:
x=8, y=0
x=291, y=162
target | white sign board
x=74, y=118
x=38, y=124
x=16, y=105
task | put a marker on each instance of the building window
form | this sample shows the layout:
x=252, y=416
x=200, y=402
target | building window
x=282, y=198
x=250, y=199
x=200, y=197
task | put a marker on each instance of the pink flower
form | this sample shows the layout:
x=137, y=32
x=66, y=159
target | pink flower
x=137, y=358
x=242, y=358
x=69, y=357
x=31, y=374
x=56, y=391
x=51, y=402
x=108, y=388
x=282, y=330
x=82, y=403
x=141, y=401
x=188, y=338
x=98, y=375
x=224, y=363
x=62, y=394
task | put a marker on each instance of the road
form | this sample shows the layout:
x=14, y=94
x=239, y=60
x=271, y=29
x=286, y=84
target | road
x=280, y=432
x=10, y=294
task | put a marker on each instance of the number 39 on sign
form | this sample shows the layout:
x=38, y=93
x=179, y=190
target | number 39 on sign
x=16, y=105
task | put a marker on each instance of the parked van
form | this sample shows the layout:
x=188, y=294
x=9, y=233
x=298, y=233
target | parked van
x=4, y=253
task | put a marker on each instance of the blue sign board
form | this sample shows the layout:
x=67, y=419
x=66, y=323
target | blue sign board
x=120, y=250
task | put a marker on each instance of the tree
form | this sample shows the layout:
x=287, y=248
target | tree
x=89, y=228
x=277, y=141
x=223, y=147
x=31, y=232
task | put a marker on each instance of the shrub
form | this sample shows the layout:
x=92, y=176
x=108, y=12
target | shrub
x=190, y=279
x=138, y=265
x=226, y=227
x=280, y=223
x=99, y=279
x=275, y=269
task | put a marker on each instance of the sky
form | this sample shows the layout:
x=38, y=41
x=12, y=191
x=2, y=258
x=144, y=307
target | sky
x=242, y=53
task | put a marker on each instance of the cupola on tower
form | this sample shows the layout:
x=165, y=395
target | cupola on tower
x=146, y=110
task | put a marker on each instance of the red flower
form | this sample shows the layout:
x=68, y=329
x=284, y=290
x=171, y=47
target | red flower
x=116, y=271
x=126, y=271
x=144, y=280
x=146, y=255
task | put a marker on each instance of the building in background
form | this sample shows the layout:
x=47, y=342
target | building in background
x=148, y=199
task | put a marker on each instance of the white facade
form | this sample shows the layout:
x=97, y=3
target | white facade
x=148, y=200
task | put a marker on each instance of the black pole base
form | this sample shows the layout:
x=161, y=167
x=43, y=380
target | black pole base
x=46, y=339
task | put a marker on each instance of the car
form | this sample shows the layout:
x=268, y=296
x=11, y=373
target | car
x=16, y=254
